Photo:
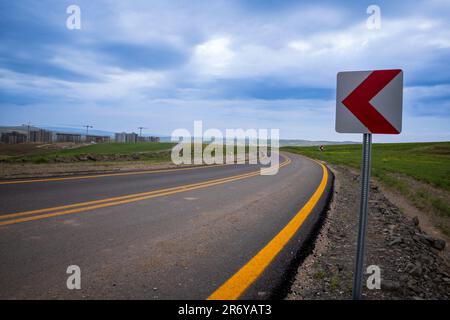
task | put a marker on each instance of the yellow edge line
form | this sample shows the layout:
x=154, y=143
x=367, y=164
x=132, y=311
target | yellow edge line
x=109, y=174
x=132, y=198
x=235, y=286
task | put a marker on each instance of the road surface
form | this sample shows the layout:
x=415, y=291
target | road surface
x=220, y=232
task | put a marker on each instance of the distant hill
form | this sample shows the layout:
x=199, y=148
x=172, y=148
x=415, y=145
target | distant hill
x=302, y=143
x=293, y=142
x=24, y=129
x=93, y=131
x=79, y=130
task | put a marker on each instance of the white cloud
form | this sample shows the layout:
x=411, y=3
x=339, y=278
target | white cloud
x=424, y=92
x=302, y=46
x=213, y=57
x=314, y=59
x=107, y=86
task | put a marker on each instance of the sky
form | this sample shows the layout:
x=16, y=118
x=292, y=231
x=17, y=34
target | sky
x=232, y=64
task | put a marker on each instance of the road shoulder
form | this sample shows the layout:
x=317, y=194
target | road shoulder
x=413, y=264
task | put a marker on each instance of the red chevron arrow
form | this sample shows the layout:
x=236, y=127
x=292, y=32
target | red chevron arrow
x=358, y=101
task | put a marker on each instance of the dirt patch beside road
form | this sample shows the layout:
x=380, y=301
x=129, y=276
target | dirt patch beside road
x=413, y=264
x=30, y=170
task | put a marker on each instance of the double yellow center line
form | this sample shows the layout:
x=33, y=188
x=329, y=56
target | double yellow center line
x=14, y=218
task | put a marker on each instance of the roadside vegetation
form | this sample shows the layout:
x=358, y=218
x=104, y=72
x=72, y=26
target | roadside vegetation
x=418, y=171
x=43, y=160
x=69, y=152
x=94, y=152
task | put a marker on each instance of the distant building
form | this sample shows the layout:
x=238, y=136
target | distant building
x=41, y=136
x=132, y=137
x=68, y=137
x=32, y=134
x=124, y=137
x=148, y=139
x=13, y=137
x=97, y=139
x=120, y=137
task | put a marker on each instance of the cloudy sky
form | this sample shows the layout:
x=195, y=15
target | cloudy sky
x=233, y=64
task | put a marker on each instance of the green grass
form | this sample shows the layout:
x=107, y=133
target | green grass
x=145, y=150
x=114, y=148
x=426, y=162
x=135, y=151
x=335, y=282
x=397, y=166
x=319, y=275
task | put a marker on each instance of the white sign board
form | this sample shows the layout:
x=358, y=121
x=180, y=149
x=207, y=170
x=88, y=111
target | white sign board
x=369, y=101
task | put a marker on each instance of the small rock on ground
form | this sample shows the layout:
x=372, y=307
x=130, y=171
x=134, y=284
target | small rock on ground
x=411, y=262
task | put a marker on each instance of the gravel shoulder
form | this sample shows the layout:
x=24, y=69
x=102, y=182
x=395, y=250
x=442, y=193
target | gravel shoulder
x=414, y=264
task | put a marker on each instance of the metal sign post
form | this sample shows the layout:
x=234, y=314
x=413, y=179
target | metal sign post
x=365, y=186
x=368, y=102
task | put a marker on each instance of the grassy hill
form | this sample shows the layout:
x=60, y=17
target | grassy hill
x=419, y=171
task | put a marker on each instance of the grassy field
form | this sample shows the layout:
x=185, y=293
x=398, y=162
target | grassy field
x=113, y=148
x=419, y=171
x=23, y=153
x=41, y=155
x=27, y=160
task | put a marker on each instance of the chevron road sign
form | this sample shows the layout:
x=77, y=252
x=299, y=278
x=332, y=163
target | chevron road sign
x=369, y=101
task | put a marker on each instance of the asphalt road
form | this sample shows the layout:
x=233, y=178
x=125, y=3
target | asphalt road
x=222, y=232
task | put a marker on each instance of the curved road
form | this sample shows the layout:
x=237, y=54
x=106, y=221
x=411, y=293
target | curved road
x=220, y=232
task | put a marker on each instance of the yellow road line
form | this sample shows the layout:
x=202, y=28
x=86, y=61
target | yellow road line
x=109, y=204
x=234, y=287
x=124, y=199
x=81, y=204
x=107, y=175
x=19, y=214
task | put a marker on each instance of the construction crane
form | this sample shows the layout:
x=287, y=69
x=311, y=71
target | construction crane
x=87, y=129
x=28, y=125
x=140, y=130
